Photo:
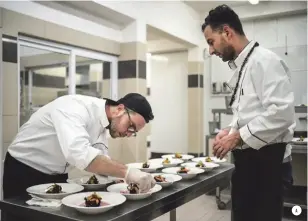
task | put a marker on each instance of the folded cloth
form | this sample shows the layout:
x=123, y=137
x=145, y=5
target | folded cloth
x=44, y=202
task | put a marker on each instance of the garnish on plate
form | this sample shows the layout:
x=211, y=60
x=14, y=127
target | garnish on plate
x=200, y=164
x=166, y=161
x=94, y=200
x=183, y=170
x=53, y=189
x=92, y=180
x=160, y=178
x=178, y=155
x=145, y=165
x=208, y=159
x=133, y=188
x=301, y=139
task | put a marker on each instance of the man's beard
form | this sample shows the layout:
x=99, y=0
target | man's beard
x=228, y=53
x=112, y=129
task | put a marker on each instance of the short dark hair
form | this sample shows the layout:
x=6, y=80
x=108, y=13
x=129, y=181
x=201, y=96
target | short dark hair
x=223, y=15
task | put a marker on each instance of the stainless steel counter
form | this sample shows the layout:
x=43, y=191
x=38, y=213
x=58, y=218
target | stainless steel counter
x=299, y=149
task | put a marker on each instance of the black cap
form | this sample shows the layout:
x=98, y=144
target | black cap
x=137, y=103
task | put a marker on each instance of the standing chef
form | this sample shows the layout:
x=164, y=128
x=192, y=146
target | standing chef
x=263, y=120
x=72, y=130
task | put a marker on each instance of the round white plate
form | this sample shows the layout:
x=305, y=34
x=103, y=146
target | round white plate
x=76, y=201
x=102, y=182
x=214, y=159
x=170, y=179
x=116, y=179
x=207, y=166
x=122, y=189
x=295, y=140
x=173, y=162
x=153, y=166
x=191, y=173
x=67, y=188
x=185, y=157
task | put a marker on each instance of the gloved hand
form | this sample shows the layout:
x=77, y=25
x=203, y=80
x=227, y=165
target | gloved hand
x=145, y=181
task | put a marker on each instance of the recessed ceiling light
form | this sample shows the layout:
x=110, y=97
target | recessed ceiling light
x=253, y=2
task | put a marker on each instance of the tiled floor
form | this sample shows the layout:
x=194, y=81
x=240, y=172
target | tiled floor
x=203, y=208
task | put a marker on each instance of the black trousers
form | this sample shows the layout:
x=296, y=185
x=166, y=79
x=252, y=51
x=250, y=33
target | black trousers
x=257, y=183
x=17, y=177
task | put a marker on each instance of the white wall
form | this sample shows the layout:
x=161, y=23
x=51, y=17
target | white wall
x=173, y=17
x=44, y=13
x=169, y=102
x=271, y=33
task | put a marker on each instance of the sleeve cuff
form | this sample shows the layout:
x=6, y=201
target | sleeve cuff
x=87, y=158
x=250, y=139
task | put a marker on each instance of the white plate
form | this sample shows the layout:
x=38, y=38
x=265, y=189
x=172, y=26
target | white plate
x=122, y=187
x=185, y=157
x=173, y=162
x=170, y=179
x=102, y=182
x=207, y=166
x=295, y=141
x=191, y=173
x=153, y=166
x=116, y=179
x=67, y=188
x=76, y=201
x=214, y=159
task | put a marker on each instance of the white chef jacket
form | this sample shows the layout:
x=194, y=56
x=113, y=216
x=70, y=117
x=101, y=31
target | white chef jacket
x=263, y=110
x=69, y=131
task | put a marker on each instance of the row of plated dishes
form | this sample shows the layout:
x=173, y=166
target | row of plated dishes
x=93, y=201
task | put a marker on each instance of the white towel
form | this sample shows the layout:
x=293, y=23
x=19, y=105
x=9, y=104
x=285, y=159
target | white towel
x=44, y=202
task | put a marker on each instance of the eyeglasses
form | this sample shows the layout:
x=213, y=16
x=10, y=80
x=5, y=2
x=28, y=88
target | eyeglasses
x=132, y=128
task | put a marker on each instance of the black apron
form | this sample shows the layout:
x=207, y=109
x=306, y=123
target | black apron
x=257, y=183
x=17, y=177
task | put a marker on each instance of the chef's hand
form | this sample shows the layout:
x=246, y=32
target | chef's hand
x=145, y=181
x=222, y=133
x=226, y=144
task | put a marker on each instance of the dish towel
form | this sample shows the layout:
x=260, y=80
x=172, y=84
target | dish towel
x=44, y=202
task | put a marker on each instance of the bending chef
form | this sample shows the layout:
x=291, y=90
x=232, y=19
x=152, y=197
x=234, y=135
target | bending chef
x=72, y=130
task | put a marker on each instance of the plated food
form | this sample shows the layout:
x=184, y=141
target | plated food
x=145, y=166
x=200, y=164
x=54, y=190
x=169, y=162
x=159, y=179
x=133, y=188
x=178, y=155
x=206, y=166
x=299, y=140
x=165, y=179
x=131, y=191
x=92, y=182
x=209, y=159
x=184, y=157
x=93, y=202
x=184, y=172
x=166, y=161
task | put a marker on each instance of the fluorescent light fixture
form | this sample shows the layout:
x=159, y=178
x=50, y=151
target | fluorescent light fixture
x=253, y=2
